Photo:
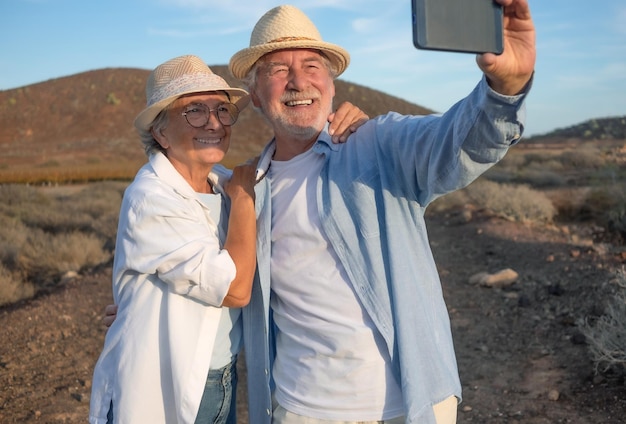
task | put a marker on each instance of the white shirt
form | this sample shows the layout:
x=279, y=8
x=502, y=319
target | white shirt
x=170, y=275
x=326, y=346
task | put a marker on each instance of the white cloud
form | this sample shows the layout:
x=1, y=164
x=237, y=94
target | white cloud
x=365, y=25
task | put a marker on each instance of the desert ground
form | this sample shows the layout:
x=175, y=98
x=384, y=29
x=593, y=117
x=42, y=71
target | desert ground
x=522, y=357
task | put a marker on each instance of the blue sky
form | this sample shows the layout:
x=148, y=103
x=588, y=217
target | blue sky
x=580, y=71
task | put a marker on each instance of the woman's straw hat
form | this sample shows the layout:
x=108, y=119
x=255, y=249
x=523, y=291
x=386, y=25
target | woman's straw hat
x=179, y=76
x=285, y=27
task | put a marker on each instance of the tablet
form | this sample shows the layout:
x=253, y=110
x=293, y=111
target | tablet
x=466, y=26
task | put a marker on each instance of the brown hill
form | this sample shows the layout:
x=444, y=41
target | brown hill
x=80, y=127
x=610, y=128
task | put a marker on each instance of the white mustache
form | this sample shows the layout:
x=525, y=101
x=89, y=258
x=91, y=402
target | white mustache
x=293, y=96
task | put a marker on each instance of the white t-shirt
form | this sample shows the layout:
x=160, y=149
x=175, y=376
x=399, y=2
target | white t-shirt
x=331, y=361
x=229, y=333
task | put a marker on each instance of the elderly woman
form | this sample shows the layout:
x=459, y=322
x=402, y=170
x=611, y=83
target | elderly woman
x=185, y=257
x=183, y=264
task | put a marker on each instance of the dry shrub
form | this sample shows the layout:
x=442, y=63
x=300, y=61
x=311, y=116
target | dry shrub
x=48, y=256
x=543, y=169
x=607, y=206
x=568, y=201
x=533, y=176
x=17, y=200
x=598, y=202
x=556, y=167
x=541, y=178
x=514, y=159
x=101, y=202
x=13, y=236
x=450, y=202
x=607, y=335
x=586, y=157
x=545, y=173
x=46, y=232
x=552, y=164
x=94, y=209
x=514, y=202
x=57, y=218
x=510, y=201
x=13, y=288
x=604, y=205
x=100, y=199
x=616, y=221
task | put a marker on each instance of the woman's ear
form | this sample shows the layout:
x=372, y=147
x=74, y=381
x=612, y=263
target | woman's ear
x=160, y=137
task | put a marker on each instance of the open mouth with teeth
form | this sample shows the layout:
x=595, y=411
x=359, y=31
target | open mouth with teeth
x=294, y=103
x=208, y=140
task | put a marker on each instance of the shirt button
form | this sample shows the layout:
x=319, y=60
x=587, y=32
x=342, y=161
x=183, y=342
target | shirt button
x=268, y=411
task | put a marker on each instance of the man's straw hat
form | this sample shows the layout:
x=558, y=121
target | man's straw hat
x=177, y=77
x=285, y=27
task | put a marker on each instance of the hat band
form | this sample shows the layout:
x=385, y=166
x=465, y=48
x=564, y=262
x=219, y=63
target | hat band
x=286, y=39
x=188, y=83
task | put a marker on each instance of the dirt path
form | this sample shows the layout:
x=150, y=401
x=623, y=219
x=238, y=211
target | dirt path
x=521, y=357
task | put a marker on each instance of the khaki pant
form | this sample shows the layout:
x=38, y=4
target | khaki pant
x=445, y=413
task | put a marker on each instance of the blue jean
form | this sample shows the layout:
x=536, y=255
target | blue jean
x=219, y=400
x=218, y=404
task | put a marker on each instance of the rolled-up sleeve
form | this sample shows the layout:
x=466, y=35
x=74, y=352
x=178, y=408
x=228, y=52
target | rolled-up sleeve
x=173, y=239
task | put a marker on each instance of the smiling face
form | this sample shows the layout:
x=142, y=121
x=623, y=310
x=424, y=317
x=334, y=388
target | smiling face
x=194, y=151
x=294, y=89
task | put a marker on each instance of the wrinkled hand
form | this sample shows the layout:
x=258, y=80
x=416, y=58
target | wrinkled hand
x=509, y=72
x=344, y=121
x=110, y=313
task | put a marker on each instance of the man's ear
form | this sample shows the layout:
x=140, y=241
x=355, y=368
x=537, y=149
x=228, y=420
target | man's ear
x=255, y=99
x=160, y=137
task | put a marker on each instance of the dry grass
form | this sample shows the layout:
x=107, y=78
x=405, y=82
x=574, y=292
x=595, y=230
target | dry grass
x=584, y=182
x=13, y=288
x=69, y=173
x=46, y=233
x=509, y=201
x=607, y=335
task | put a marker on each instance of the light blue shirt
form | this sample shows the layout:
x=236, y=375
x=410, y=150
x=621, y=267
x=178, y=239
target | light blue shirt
x=371, y=198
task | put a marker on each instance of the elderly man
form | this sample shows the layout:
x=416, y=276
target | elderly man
x=355, y=326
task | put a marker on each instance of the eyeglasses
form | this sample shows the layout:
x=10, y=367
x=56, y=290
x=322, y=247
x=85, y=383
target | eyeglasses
x=197, y=115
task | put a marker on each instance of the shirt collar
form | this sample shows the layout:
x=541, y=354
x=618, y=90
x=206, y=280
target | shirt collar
x=324, y=142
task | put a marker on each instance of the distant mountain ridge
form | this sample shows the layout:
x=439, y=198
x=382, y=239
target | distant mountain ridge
x=85, y=120
x=81, y=124
x=611, y=128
